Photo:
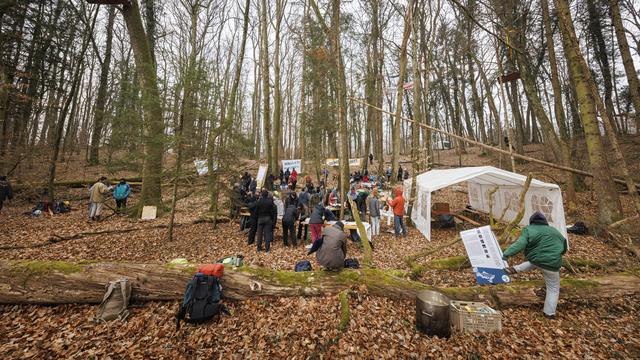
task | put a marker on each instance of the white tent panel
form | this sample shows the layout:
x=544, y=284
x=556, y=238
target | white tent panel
x=541, y=196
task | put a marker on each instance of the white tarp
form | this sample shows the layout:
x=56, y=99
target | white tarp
x=202, y=168
x=292, y=164
x=543, y=197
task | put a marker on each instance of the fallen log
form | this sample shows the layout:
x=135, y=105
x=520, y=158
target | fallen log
x=59, y=282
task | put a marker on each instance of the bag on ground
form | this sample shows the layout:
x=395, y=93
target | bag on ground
x=303, y=265
x=216, y=270
x=578, y=228
x=201, y=300
x=351, y=263
x=232, y=261
x=115, y=301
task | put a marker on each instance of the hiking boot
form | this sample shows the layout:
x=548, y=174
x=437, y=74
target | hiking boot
x=550, y=317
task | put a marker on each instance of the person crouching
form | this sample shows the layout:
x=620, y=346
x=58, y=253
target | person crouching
x=543, y=247
x=333, y=250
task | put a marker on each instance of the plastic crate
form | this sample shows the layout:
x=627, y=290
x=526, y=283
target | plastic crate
x=468, y=316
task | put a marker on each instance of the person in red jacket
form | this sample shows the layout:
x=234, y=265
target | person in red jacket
x=293, y=179
x=397, y=205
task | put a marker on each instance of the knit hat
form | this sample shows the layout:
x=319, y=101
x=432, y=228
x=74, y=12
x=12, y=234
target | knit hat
x=538, y=219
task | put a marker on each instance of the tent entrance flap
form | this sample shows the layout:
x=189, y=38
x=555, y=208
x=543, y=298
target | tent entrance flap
x=541, y=196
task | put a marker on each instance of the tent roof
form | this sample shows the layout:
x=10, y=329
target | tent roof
x=487, y=175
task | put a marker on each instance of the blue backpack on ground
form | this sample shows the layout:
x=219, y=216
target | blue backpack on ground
x=303, y=265
x=201, y=300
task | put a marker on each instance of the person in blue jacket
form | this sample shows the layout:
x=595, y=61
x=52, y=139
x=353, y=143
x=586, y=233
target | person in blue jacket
x=121, y=194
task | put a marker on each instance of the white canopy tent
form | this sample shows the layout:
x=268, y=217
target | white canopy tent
x=541, y=196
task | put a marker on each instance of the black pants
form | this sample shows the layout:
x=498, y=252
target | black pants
x=265, y=230
x=253, y=228
x=306, y=232
x=121, y=203
x=288, y=232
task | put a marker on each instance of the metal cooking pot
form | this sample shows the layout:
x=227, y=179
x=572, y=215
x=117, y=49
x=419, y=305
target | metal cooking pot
x=432, y=313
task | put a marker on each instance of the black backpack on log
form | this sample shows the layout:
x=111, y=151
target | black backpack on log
x=201, y=300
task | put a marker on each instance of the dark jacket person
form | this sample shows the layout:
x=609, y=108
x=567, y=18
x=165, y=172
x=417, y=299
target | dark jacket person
x=267, y=213
x=333, y=250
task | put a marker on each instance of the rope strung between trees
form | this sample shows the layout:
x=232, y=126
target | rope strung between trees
x=485, y=146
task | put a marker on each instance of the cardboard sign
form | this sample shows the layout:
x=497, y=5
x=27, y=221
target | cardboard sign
x=485, y=255
x=149, y=212
x=292, y=164
x=261, y=177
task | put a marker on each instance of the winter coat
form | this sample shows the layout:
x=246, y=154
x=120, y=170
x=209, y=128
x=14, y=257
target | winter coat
x=98, y=192
x=374, y=207
x=121, y=191
x=266, y=208
x=290, y=215
x=398, y=204
x=6, y=192
x=320, y=214
x=543, y=245
x=334, y=248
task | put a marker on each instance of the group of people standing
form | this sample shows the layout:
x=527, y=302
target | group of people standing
x=98, y=195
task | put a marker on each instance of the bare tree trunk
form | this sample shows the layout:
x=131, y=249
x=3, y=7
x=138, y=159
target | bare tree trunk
x=609, y=208
x=395, y=130
x=627, y=59
x=264, y=56
x=153, y=121
x=101, y=99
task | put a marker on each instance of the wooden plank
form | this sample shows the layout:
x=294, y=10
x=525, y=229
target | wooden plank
x=464, y=218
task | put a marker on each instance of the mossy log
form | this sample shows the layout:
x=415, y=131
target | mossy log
x=59, y=282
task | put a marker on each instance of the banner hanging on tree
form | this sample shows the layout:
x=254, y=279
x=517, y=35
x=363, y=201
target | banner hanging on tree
x=262, y=175
x=485, y=255
x=292, y=164
x=352, y=162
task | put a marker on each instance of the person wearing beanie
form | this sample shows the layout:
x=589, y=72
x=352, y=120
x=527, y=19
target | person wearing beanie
x=543, y=248
x=333, y=247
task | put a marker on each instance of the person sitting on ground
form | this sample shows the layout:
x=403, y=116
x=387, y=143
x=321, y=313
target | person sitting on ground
x=319, y=215
x=267, y=213
x=333, y=249
x=121, y=194
x=289, y=223
x=397, y=205
x=6, y=191
x=543, y=247
x=97, y=198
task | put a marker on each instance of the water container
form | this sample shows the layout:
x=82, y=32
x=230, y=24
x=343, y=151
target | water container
x=432, y=313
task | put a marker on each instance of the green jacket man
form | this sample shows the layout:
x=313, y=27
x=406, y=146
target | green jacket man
x=543, y=248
